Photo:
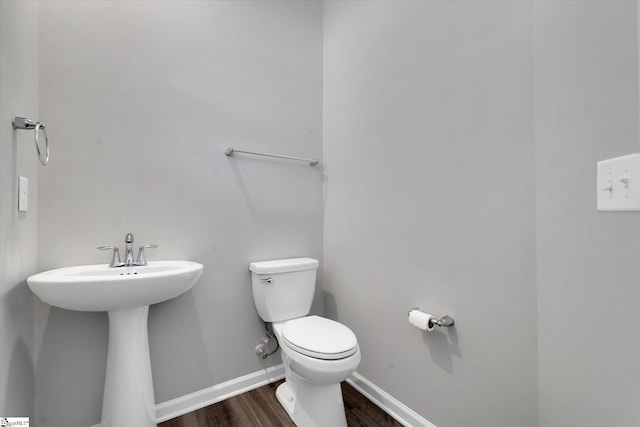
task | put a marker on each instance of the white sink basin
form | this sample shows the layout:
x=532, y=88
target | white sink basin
x=125, y=293
x=104, y=288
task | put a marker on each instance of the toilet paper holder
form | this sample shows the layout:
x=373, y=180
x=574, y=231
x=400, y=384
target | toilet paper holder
x=444, y=322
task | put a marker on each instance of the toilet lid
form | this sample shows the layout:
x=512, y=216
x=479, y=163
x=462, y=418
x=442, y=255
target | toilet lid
x=321, y=338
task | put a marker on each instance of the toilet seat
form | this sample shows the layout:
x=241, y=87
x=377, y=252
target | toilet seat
x=320, y=338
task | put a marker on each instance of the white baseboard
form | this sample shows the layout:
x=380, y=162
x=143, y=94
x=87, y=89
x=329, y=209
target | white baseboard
x=392, y=406
x=217, y=393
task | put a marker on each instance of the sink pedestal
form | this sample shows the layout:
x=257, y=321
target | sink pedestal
x=128, y=389
x=126, y=294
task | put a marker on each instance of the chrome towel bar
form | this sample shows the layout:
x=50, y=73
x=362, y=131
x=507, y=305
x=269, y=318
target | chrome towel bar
x=22, y=123
x=229, y=152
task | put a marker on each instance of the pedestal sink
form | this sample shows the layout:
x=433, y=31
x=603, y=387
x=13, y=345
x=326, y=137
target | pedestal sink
x=125, y=293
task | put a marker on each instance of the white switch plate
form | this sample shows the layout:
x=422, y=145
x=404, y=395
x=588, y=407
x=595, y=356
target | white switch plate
x=618, y=184
x=23, y=194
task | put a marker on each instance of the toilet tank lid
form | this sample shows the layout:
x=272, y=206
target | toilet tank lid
x=283, y=265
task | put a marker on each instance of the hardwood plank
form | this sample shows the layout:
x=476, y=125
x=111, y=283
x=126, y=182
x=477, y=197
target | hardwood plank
x=260, y=408
x=362, y=412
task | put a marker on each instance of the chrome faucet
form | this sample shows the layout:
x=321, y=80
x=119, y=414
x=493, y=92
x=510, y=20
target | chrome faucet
x=115, y=259
x=128, y=253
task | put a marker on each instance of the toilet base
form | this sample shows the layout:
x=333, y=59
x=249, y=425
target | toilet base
x=286, y=398
x=313, y=405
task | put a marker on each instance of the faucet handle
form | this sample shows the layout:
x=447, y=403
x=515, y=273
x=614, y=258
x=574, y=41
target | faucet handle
x=115, y=259
x=141, y=259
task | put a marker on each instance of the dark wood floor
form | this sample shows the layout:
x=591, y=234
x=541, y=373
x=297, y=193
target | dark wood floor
x=260, y=408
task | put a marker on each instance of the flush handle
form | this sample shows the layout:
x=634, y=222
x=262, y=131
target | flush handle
x=267, y=281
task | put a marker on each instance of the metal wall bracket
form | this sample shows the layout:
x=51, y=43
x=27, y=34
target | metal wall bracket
x=22, y=123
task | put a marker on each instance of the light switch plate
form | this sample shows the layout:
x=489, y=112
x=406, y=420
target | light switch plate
x=618, y=183
x=23, y=194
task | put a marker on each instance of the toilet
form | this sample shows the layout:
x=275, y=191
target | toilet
x=317, y=353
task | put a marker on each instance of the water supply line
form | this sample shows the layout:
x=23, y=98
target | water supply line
x=261, y=349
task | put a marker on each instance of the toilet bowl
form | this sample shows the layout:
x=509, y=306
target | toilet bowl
x=317, y=353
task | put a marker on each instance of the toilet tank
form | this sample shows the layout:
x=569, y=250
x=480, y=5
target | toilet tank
x=283, y=289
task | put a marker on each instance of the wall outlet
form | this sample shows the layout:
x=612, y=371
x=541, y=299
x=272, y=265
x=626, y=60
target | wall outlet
x=618, y=184
x=23, y=194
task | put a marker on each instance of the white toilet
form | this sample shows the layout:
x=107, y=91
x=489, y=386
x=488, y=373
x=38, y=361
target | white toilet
x=317, y=353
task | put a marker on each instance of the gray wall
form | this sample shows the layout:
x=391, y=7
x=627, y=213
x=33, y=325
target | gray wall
x=428, y=145
x=18, y=230
x=586, y=92
x=142, y=98
x=460, y=141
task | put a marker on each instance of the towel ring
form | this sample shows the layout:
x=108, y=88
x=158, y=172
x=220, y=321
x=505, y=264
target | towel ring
x=28, y=124
x=40, y=126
